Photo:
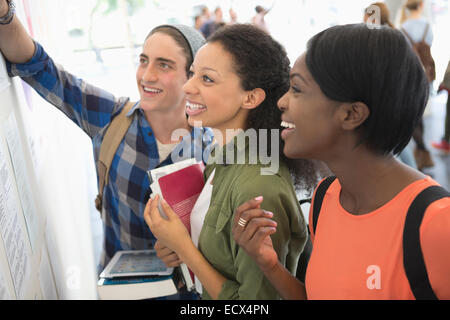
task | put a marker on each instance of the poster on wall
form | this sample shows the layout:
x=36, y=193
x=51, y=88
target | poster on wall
x=11, y=230
x=22, y=180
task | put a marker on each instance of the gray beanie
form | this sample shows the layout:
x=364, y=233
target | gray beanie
x=194, y=38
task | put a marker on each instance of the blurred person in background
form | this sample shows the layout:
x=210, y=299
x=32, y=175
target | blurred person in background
x=416, y=28
x=202, y=18
x=210, y=26
x=205, y=14
x=258, y=18
x=444, y=144
x=233, y=16
x=198, y=22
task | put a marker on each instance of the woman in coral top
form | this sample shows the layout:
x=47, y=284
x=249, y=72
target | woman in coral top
x=355, y=97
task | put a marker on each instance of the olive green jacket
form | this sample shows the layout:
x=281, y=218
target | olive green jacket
x=233, y=185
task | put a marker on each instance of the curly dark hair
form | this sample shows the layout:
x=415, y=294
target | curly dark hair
x=261, y=62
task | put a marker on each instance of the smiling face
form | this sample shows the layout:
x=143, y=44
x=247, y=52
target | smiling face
x=213, y=92
x=310, y=118
x=161, y=74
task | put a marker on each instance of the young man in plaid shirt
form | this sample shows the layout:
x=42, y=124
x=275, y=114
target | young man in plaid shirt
x=164, y=63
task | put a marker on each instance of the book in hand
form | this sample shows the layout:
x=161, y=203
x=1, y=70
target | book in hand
x=134, y=275
x=179, y=184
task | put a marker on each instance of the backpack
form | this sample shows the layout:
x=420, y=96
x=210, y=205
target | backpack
x=112, y=138
x=423, y=51
x=413, y=261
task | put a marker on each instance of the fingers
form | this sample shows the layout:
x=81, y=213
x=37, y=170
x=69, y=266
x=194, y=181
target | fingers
x=260, y=236
x=250, y=204
x=170, y=259
x=257, y=225
x=246, y=218
x=162, y=250
x=168, y=256
x=158, y=246
x=151, y=213
x=173, y=264
x=147, y=217
x=255, y=231
x=167, y=209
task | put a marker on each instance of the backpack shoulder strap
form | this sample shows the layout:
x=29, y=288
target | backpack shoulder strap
x=413, y=260
x=306, y=253
x=426, y=32
x=113, y=137
x=318, y=199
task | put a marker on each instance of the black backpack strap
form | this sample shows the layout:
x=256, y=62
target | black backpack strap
x=318, y=199
x=306, y=253
x=413, y=261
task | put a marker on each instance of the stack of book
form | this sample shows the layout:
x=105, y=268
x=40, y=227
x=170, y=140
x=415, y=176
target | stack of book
x=140, y=274
x=134, y=275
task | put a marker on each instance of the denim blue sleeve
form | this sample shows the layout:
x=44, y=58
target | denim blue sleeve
x=89, y=107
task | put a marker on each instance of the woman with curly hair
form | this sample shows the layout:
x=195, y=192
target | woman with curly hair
x=235, y=82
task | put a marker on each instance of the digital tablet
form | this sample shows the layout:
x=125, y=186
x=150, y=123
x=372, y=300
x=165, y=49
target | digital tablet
x=130, y=263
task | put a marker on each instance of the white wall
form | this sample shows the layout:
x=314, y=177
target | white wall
x=61, y=176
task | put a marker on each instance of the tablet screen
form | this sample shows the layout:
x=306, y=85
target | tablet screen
x=135, y=263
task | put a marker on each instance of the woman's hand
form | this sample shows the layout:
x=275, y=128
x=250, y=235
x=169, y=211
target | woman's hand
x=251, y=229
x=171, y=232
x=168, y=256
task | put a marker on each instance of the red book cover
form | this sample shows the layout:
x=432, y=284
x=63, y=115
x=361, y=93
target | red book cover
x=181, y=189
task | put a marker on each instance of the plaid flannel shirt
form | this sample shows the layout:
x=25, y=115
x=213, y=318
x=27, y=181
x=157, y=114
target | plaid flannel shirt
x=92, y=109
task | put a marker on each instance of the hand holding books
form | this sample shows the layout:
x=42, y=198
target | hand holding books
x=171, y=231
x=180, y=184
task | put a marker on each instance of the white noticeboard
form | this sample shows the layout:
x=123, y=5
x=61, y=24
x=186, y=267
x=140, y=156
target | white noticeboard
x=46, y=249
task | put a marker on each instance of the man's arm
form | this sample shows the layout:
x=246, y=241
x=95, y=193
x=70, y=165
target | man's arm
x=15, y=43
x=89, y=107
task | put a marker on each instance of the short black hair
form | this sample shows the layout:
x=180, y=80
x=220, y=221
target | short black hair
x=261, y=62
x=355, y=63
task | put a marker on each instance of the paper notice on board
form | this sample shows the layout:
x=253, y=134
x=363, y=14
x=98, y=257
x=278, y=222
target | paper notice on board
x=11, y=230
x=4, y=79
x=23, y=185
